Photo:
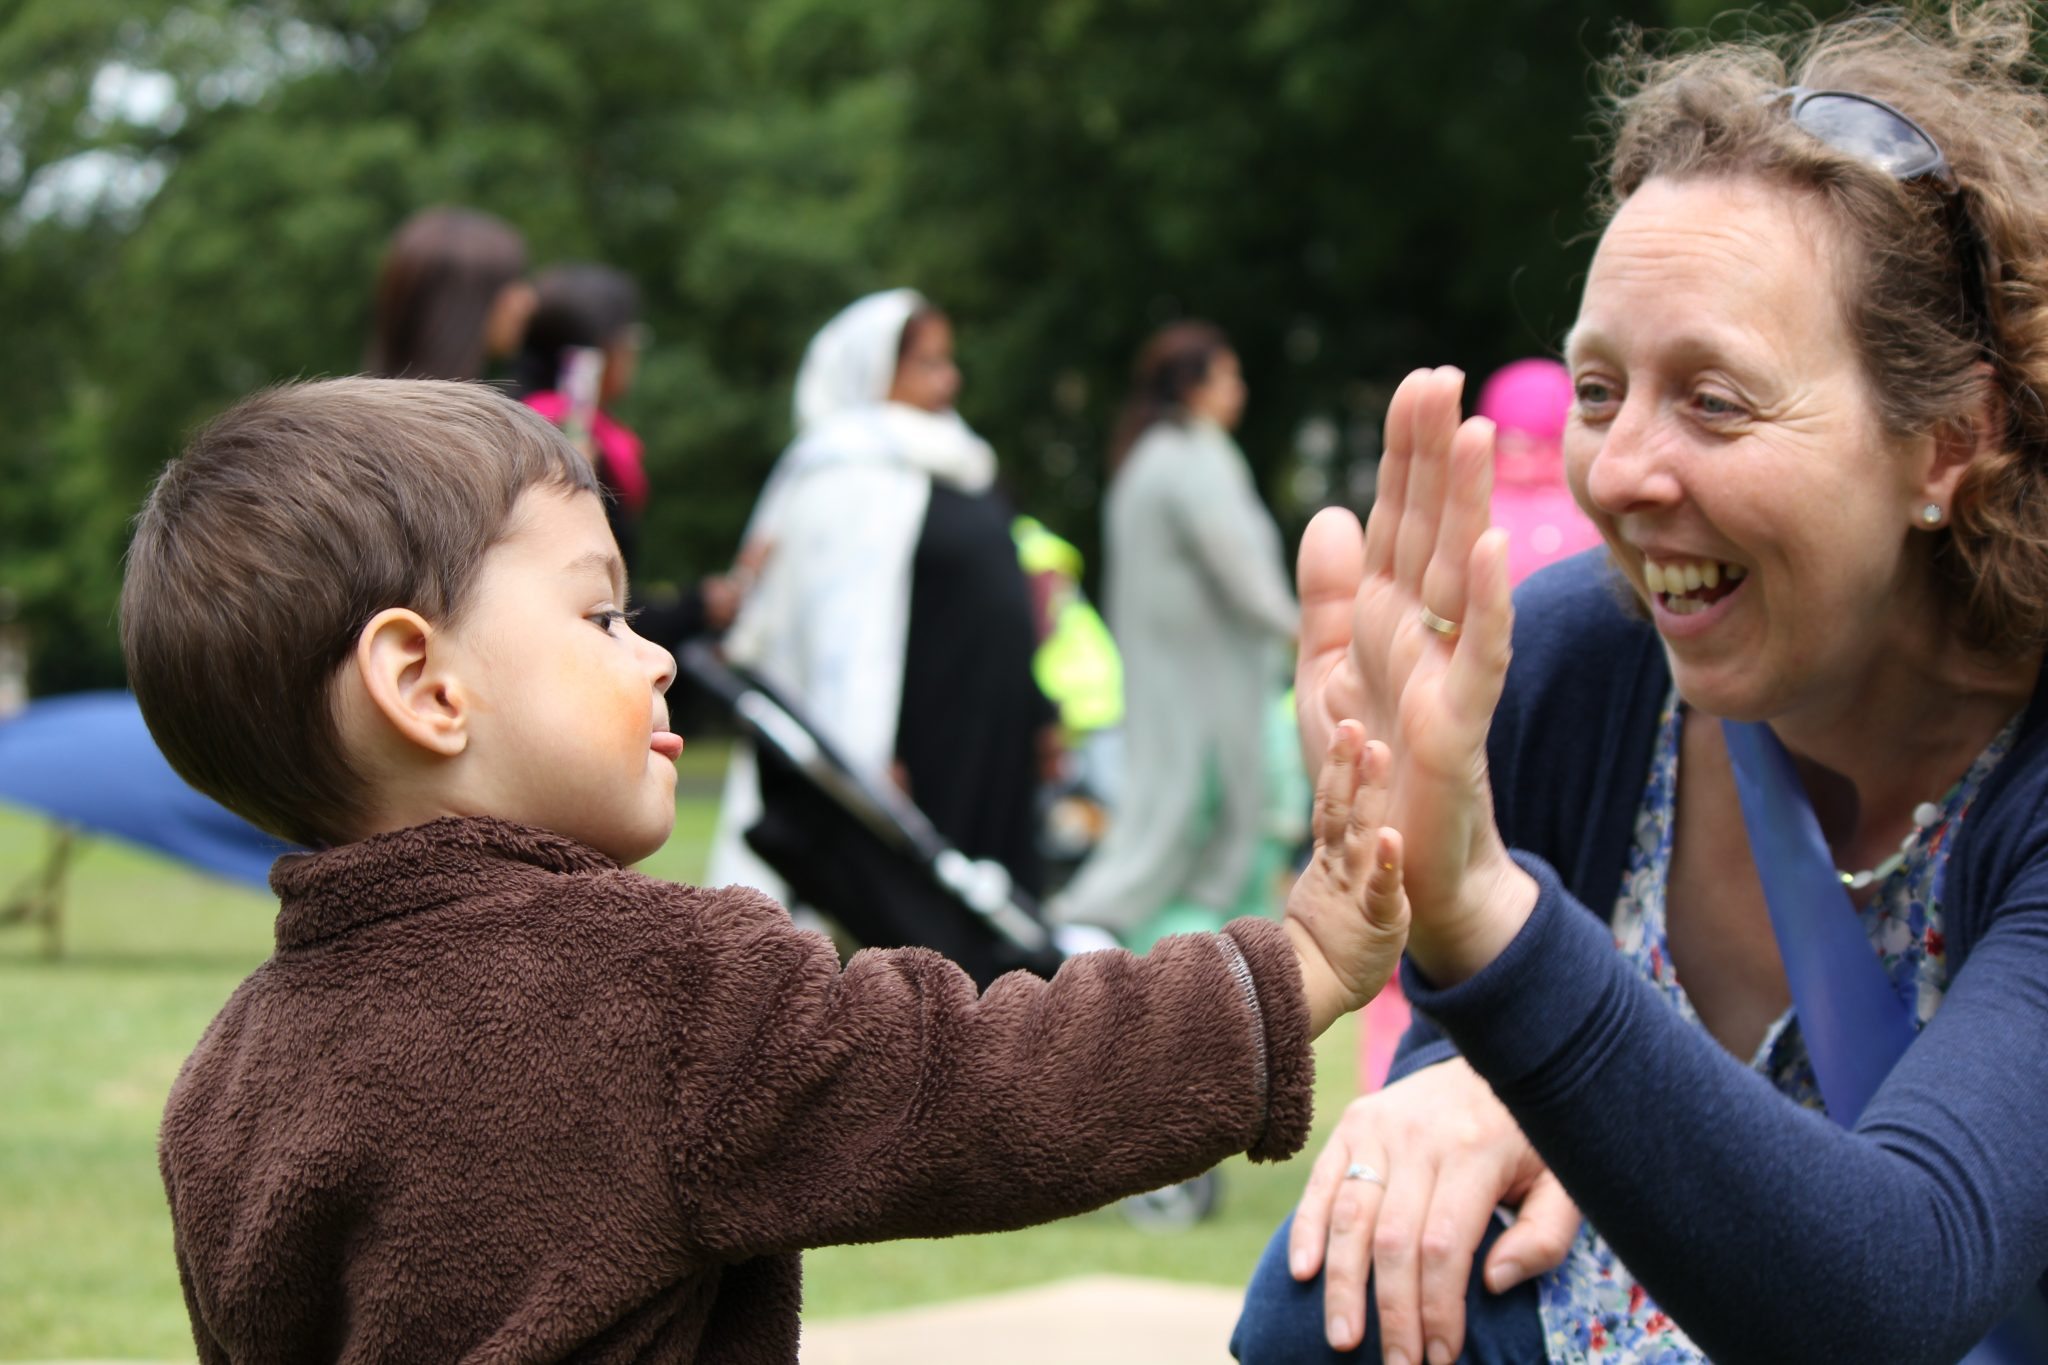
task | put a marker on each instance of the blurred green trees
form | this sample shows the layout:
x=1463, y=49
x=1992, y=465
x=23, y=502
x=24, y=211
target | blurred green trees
x=194, y=194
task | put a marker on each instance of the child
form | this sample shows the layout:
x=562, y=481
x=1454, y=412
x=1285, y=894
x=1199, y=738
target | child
x=496, y=1097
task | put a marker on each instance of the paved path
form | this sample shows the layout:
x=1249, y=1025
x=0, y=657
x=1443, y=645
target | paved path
x=1098, y=1320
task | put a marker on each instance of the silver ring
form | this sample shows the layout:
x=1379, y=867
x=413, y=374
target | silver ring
x=1441, y=625
x=1358, y=1170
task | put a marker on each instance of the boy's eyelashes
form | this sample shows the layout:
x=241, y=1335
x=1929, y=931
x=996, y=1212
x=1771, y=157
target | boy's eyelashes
x=611, y=616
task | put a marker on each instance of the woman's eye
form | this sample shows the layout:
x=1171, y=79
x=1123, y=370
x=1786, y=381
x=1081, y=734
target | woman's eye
x=1714, y=405
x=1593, y=395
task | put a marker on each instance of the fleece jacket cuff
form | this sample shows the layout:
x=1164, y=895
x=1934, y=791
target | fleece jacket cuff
x=1283, y=1008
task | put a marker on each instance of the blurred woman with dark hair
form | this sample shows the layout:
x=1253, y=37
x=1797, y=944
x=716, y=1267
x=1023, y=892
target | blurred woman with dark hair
x=451, y=296
x=1197, y=596
x=581, y=351
x=581, y=348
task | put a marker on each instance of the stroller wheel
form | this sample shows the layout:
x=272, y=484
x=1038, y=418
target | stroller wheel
x=1176, y=1206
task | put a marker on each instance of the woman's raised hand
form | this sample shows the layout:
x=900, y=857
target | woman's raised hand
x=1449, y=1153
x=1405, y=628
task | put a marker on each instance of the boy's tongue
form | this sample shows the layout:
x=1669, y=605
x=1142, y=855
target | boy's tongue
x=668, y=744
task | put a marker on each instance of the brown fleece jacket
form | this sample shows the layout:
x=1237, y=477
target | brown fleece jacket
x=496, y=1099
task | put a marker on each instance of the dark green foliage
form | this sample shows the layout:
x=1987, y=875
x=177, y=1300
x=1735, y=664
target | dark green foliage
x=1350, y=189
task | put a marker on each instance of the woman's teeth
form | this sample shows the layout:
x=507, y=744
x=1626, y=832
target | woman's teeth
x=1688, y=586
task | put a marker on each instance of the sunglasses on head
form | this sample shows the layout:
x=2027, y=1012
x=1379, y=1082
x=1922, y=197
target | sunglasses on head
x=1871, y=131
x=1878, y=135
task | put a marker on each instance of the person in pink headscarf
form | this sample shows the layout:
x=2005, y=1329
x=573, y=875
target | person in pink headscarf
x=1527, y=402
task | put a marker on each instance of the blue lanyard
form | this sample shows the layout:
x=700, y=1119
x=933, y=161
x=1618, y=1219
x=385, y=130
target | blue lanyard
x=1854, y=1023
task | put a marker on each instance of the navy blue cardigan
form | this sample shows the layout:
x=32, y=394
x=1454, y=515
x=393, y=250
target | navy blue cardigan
x=1767, y=1231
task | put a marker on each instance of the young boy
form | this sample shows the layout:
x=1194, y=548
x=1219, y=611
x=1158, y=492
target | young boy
x=496, y=1097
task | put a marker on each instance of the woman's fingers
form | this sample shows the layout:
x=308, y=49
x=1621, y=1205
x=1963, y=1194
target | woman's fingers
x=1348, y=1257
x=1459, y=1211
x=1312, y=1215
x=1467, y=512
x=1479, y=662
x=1397, y=1262
x=1436, y=421
x=1543, y=1232
x=1390, y=486
x=1328, y=572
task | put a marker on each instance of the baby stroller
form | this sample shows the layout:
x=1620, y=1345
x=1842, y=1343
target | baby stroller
x=861, y=853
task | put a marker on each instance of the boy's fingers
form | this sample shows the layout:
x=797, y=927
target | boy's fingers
x=1336, y=783
x=1385, y=905
x=1368, y=809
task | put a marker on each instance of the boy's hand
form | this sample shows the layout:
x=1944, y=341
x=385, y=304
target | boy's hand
x=1348, y=914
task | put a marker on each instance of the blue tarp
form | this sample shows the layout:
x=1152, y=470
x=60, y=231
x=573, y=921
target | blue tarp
x=87, y=759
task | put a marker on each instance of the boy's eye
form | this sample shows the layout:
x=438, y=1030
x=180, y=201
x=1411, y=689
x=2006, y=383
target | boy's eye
x=607, y=619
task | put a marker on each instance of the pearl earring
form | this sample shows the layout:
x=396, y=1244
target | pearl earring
x=1930, y=515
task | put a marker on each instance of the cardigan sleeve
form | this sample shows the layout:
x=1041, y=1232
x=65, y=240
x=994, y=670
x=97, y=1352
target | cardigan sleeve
x=887, y=1099
x=1775, y=1234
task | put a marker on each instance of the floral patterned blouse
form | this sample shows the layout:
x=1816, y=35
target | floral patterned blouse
x=1594, y=1312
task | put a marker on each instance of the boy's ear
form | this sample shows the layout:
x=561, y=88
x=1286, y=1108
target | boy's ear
x=405, y=676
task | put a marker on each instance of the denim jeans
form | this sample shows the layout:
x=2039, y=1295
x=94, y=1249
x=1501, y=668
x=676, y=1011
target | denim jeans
x=1282, y=1323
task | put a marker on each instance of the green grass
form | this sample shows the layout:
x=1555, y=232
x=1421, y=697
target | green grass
x=89, y=1044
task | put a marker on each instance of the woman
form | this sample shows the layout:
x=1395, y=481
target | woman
x=1197, y=596
x=451, y=296
x=1809, y=365
x=593, y=311
x=590, y=309
x=892, y=607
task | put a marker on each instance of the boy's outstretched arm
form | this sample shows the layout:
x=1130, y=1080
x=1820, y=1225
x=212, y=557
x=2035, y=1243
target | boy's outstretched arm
x=1348, y=915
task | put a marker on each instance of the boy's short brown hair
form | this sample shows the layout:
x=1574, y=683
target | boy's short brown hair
x=263, y=551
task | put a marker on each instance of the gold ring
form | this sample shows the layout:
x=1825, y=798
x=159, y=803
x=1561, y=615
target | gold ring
x=1446, y=628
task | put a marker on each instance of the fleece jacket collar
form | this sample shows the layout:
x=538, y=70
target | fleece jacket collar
x=327, y=894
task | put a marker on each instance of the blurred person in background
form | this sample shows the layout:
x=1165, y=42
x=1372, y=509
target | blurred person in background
x=893, y=609
x=1198, y=599
x=451, y=296
x=1528, y=402
x=579, y=356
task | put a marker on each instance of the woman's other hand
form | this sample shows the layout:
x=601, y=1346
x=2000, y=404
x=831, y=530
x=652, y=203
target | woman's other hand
x=1449, y=1153
x=1406, y=629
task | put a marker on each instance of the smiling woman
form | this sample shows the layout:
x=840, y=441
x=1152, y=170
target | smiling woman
x=1751, y=826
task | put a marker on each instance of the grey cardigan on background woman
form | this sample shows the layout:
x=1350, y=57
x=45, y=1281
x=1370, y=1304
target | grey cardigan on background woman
x=1198, y=597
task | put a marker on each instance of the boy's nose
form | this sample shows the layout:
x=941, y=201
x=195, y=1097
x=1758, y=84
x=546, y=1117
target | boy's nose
x=663, y=662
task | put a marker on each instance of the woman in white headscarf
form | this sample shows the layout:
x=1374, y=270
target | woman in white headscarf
x=892, y=609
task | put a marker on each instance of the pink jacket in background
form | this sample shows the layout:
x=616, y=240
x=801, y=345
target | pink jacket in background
x=1528, y=401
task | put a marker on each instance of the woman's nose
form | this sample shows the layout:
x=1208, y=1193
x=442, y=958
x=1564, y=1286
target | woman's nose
x=1629, y=468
